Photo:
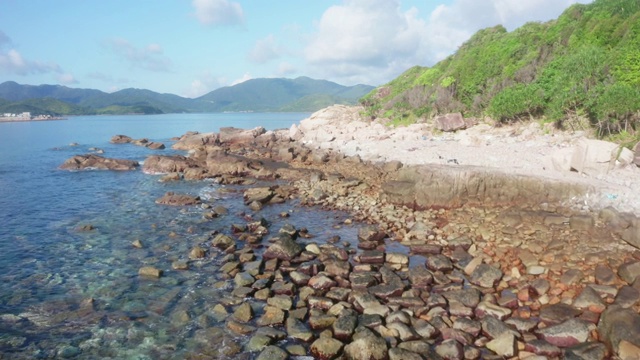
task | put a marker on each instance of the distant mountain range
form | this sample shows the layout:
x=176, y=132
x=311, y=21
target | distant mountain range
x=258, y=95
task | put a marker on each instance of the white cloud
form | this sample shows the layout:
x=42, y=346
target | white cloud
x=149, y=58
x=67, y=79
x=285, y=69
x=12, y=62
x=205, y=83
x=373, y=41
x=244, y=78
x=265, y=50
x=218, y=12
x=4, y=39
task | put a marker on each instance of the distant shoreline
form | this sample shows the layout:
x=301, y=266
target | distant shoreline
x=11, y=119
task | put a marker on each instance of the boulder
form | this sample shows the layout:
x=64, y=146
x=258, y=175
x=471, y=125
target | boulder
x=595, y=157
x=155, y=145
x=617, y=325
x=284, y=248
x=90, y=161
x=161, y=164
x=366, y=346
x=195, y=140
x=450, y=122
x=178, y=199
x=326, y=348
x=636, y=154
x=120, y=139
x=231, y=135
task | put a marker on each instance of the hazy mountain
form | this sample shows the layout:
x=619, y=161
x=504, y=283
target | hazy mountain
x=300, y=94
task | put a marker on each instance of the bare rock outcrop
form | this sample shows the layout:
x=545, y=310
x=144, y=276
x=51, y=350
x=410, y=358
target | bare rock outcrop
x=91, y=161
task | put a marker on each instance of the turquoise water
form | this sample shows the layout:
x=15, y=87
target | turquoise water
x=48, y=269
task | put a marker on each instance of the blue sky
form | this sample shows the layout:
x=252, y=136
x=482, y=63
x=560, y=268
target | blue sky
x=191, y=47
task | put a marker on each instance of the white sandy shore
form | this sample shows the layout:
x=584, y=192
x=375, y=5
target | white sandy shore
x=517, y=149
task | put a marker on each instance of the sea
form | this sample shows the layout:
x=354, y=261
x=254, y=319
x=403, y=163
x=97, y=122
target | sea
x=69, y=293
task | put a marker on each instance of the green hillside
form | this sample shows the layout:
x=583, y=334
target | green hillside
x=45, y=106
x=583, y=68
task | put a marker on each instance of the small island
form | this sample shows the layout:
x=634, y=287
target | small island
x=26, y=116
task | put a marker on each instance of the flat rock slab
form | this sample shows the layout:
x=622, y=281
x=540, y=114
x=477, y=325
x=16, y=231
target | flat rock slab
x=566, y=334
x=178, y=199
x=90, y=161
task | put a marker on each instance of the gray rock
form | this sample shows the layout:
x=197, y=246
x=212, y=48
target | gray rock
x=450, y=349
x=344, y=327
x=371, y=233
x=604, y=275
x=493, y=327
x=243, y=313
x=272, y=352
x=258, y=343
x=222, y=241
x=298, y=330
x=178, y=199
x=503, y=345
x=450, y=122
x=272, y=316
x=469, y=297
x=618, y=324
x=542, y=347
x=366, y=346
x=627, y=297
x=402, y=354
x=557, y=313
x=439, y=263
x=586, y=351
x=629, y=271
x=566, y=334
x=486, y=276
x=91, y=161
x=589, y=299
x=326, y=348
x=284, y=249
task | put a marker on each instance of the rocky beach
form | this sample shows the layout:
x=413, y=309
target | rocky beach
x=486, y=242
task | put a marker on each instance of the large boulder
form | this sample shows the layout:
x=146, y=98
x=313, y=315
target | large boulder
x=231, y=135
x=120, y=139
x=284, y=248
x=617, y=325
x=598, y=157
x=450, y=122
x=91, y=161
x=160, y=164
x=218, y=163
x=194, y=140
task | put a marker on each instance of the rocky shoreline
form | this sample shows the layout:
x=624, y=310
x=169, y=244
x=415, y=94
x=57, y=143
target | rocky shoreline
x=455, y=262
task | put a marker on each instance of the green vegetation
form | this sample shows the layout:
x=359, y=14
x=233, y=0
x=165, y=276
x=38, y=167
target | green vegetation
x=583, y=67
x=45, y=106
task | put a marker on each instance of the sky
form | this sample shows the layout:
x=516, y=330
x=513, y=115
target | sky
x=191, y=47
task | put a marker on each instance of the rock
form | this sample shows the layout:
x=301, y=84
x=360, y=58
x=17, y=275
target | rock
x=298, y=330
x=284, y=248
x=627, y=297
x=155, y=145
x=568, y=333
x=439, y=263
x=557, y=313
x=628, y=351
x=243, y=313
x=231, y=135
x=594, y=157
x=366, y=346
x=503, y=345
x=178, y=199
x=258, y=343
x=261, y=195
x=194, y=140
x=272, y=316
x=402, y=354
x=161, y=164
x=450, y=350
x=326, y=348
x=541, y=347
x=587, y=351
x=91, y=161
x=629, y=271
x=273, y=352
x=589, y=299
x=604, y=275
x=486, y=276
x=494, y=328
x=120, y=139
x=618, y=324
x=150, y=271
x=222, y=241
x=371, y=233
x=344, y=327
x=420, y=277
x=450, y=122
x=197, y=253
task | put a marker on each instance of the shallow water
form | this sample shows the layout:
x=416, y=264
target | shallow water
x=48, y=269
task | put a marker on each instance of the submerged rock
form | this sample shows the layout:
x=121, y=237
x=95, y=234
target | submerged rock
x=178, y=199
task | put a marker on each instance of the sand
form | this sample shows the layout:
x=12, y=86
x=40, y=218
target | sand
x=523, y=148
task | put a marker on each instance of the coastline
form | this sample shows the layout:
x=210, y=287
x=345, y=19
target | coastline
x=11, y=119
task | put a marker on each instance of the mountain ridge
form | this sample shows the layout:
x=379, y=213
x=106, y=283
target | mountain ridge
x=263, y=94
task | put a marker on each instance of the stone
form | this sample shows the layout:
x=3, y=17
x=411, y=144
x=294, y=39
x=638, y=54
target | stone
x=173, y=199
x=344, y=327
x=594, y=157
x=557, y=313
x=261, y=195
x=439, y=263
x=150, y=271
x=366, y=346
x=283, y=302
x=371, y=233
x=420, y=277
x=197, y=253
x=258, y=343
x=326, y=348
x=222, y=241
x=298, y=330
x=618, y=324
x=486, y=276
x=272, y=316
x=402, y=354
x=587, y=351
x=153, y=145
x=120, y=139
x=486, y=308
x=450, y=350
x=91, y=161
x=629, y=271
x=627, y=297
x=162, y=164
x=493, y=327
x=450, y=122
x=565, y=334
x=503, y=345
x=321, y=282
x=243, y=313
x=589, y=299
x=284, y=249
x=571, y=277
x=604, y=275
x=272, y=352
x=542, y=347
x=628, y=351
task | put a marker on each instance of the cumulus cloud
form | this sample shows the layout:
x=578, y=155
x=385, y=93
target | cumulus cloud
x=244, y=78
x=265, y=50
x=67, y=79
x=218, y=12
x=372, y=41
x=150, y=57
x=205, y=83
x=12, y=62
x=286, y=69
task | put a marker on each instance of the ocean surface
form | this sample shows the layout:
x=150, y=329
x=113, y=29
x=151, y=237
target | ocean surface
x=66, y=293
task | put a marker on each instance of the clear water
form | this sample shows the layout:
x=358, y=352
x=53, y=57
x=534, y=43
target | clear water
x=48, y=267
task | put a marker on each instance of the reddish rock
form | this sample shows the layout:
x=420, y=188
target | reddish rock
x=178, y=199
x=90, y=161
